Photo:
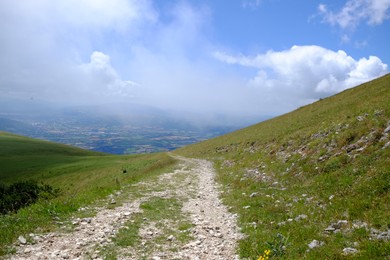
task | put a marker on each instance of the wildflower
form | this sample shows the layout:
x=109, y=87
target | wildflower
x=265, y=256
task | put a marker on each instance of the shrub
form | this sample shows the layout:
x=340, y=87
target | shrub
x=22, y=194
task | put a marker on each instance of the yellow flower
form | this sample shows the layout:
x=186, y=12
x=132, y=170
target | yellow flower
x=267, y=252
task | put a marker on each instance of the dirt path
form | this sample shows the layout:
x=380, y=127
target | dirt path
x=177, y=216
x=215, y=229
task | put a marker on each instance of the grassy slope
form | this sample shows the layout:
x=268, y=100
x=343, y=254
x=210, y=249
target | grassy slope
x=325, y=160
x=23, y=158
x=83, y=177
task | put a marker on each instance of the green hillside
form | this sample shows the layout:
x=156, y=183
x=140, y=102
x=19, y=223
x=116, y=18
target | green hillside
x=12, y=144
x=23, y=158
x=83, y=177
x=321, y=172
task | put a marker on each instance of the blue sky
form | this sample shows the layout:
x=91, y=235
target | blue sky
x=238, y=57
x=278, y=25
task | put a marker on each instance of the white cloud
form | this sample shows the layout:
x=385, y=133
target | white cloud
x=113, y=14
x=45, y=46
x=305, y=73
x=251, y=4
x=48, y=51
x=354, y=12
x=103, y=81
x=345, y=38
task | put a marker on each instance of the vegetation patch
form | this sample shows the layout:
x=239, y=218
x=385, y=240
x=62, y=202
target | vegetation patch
x=22, y=194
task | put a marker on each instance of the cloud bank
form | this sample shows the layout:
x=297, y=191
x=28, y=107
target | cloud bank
x=94, y=52
x=51, y=50
x=304, y=73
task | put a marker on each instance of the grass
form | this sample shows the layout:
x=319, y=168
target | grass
x=24, y=158
x=84, y=177
x=325, y=161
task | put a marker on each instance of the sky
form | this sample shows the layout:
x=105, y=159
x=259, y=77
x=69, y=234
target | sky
x=237, y=57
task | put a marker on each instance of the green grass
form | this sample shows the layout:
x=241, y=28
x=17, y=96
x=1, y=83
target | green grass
x=293, y=164
x=84, y=177
x=24, y=158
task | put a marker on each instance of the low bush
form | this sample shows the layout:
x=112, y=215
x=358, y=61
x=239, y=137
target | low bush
x=22, y=194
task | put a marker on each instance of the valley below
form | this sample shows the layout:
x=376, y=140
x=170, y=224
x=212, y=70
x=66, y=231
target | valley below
x=147, y=132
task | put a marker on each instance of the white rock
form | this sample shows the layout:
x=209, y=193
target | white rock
x=342, y=223
x=315, y=243
x=360, y=118
x=201, y=237
x=22, y=240
x=87, y=220
x=299, y=217
x=65, y=255
x=218, y=235
x=329, y=229
x=387, y=130
x=350, y=251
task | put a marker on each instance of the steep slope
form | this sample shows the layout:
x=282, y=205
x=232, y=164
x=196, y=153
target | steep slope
x=313, y=183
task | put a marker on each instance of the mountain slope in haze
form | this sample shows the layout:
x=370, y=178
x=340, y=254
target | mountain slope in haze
x=313, y=183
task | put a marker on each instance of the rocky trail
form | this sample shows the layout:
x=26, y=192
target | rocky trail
x=176, y=216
